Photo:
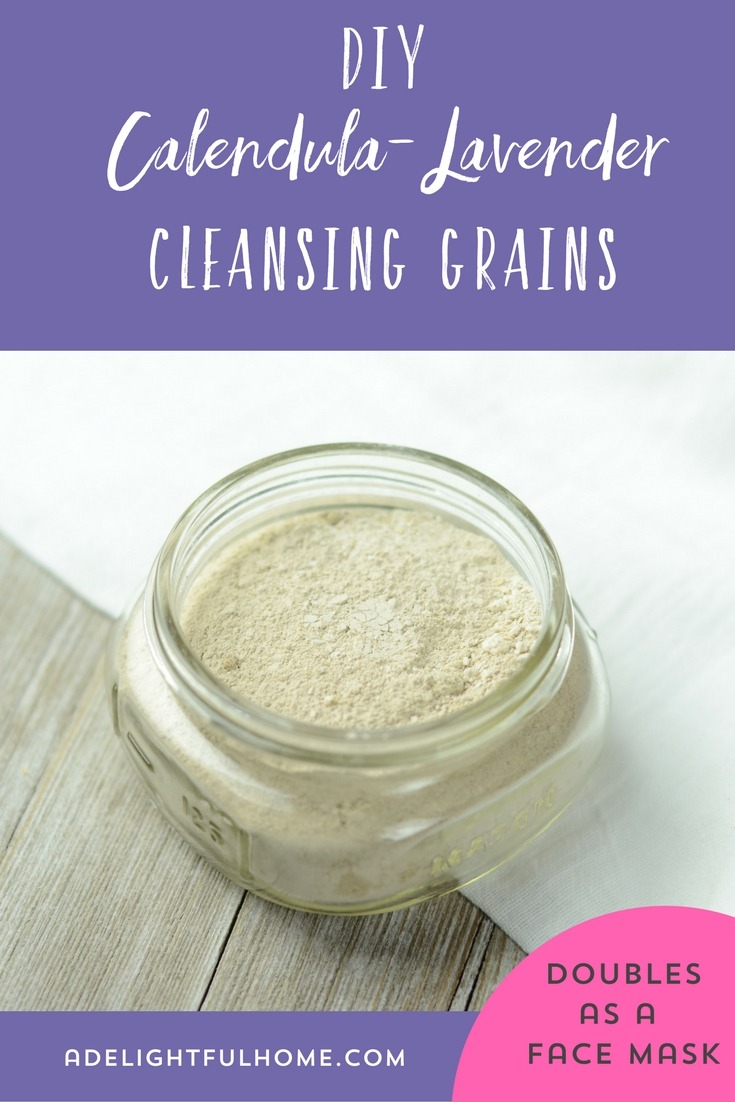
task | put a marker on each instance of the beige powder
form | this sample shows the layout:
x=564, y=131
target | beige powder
x=368, y=617
x=327, y=835
x=323, y=836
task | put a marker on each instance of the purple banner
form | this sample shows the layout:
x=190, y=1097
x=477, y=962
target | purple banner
x=472, y=175
x=190, y=1057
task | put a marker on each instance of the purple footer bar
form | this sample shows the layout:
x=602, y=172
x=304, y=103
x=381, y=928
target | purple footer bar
x=268, y=1057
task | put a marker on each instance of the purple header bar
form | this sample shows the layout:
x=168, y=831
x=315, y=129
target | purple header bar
x=602, y=213
x=190, y=1057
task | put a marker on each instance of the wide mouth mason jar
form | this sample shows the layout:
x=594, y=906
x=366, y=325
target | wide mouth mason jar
x=355, y=820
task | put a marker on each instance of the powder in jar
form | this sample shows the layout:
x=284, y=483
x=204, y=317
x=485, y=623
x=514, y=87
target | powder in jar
x=364, y=617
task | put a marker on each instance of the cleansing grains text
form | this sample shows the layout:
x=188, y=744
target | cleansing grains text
x=277, y=256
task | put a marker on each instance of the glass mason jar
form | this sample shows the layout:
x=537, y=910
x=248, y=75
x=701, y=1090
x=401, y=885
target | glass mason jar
x=355, y=821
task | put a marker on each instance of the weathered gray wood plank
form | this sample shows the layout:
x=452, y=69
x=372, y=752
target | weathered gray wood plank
x=500, y=957
x=39, y=620
x=102, y=906
x=408, y=960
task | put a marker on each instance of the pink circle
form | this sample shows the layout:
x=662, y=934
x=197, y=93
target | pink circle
x=676, y=960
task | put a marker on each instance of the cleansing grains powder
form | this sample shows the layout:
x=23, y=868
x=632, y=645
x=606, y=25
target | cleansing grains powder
x=366, y=618
x=355, y=678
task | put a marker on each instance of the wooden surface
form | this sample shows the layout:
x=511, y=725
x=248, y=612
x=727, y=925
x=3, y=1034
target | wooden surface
x=103, y=907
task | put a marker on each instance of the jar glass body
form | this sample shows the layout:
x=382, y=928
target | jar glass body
x=355, y=821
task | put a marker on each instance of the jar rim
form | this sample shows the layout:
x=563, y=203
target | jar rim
x=532, y=683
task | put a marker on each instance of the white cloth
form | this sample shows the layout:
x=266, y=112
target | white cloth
x=628, y=459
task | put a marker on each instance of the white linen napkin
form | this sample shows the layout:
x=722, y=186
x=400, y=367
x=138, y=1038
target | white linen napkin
x=628, y=459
